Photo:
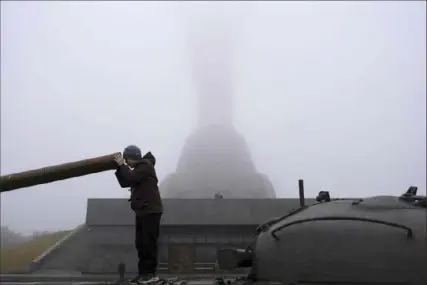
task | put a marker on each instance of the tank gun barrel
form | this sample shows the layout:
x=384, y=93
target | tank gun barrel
x=57, y=172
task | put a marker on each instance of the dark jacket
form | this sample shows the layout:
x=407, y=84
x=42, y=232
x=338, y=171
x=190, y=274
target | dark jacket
x=142, y=180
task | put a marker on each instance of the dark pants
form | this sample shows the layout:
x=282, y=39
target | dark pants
x=146, y=236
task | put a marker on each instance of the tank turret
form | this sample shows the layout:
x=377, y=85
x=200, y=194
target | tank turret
x=54, y=173
x=375, y=240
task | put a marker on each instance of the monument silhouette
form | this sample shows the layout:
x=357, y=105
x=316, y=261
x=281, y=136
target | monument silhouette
x=215, y=158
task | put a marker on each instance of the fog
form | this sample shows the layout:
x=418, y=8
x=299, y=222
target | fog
x=331, y=92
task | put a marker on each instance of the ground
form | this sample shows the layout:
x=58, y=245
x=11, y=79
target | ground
x=52, y=282
x=15, y=259
x=204, y=282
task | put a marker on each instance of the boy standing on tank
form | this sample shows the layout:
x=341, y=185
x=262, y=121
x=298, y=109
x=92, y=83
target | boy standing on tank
x=140, y=176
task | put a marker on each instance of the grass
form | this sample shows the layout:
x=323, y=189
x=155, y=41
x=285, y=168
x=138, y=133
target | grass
x=15, y=259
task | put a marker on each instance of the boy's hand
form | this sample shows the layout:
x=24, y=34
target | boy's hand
x=118, y=158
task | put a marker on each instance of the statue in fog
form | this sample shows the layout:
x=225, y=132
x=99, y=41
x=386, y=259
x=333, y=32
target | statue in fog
x=137, y=172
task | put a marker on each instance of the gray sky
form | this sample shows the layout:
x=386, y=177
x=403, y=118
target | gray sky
x=334, y=93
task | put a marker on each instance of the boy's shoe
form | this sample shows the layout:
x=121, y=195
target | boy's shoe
x=148, y=279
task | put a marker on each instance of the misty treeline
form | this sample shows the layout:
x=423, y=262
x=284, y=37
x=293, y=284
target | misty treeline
x=10, y=237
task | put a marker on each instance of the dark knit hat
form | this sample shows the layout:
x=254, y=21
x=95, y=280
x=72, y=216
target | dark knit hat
x=132, y=152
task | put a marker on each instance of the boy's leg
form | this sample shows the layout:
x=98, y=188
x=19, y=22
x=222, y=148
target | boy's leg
x=150, y=236
x=139, y=249
x=155, y=242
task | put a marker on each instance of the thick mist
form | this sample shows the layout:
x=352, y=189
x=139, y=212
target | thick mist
x=331, y=92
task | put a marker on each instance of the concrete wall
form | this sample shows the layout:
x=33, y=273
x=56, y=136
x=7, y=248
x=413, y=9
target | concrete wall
x=99, y=249
x=71, y=255
x=111, y=245
x=117, y=212
x=200, y=226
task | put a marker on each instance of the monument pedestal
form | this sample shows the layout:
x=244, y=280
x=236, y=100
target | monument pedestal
x=216, y=159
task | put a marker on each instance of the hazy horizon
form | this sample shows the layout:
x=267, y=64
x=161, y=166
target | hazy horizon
x=330, y=92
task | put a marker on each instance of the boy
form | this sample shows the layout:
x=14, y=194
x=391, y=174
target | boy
x=140, y=176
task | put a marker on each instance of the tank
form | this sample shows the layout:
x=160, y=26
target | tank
x=374, y=240
x=54, y=173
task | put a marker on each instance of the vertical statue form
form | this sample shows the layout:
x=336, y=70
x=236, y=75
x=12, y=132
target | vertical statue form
x=215, y=159
x=211, y=47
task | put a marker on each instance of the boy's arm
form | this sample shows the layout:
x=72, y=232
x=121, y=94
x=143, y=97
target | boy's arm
x=121, y=180
x=132, y=178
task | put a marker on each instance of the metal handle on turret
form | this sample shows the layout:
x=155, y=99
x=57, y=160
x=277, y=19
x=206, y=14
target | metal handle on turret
x=54, y=173
x=409, y=230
